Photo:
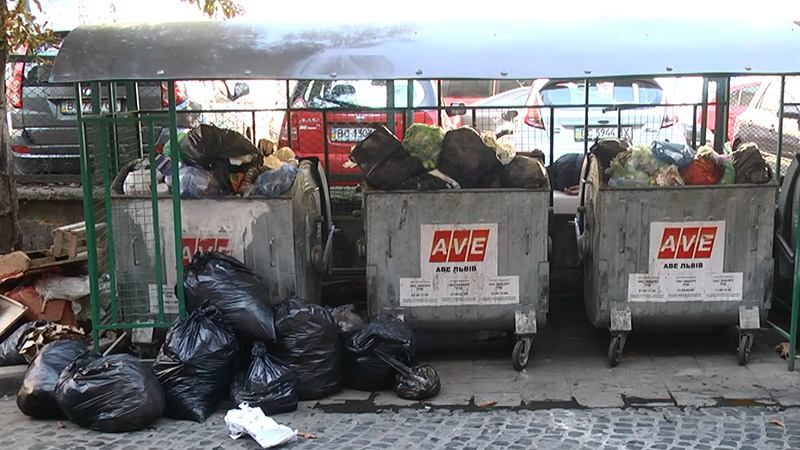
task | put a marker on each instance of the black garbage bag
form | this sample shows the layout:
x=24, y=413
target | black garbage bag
x=308, y=341
x=605, y=150
x=195, y=364
x=523, y=172
x=565, y=172
x=237, y=292
x=37, y=395
x=113, y=394
x=212, y=148
x=384, y=162
x=467, y=159
x=268, y=384
x=9, y=349
x=750, y=165
x=418, y=382
x=365, y=370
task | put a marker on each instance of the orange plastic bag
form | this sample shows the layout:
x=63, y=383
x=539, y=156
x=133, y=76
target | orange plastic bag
x=701, y=172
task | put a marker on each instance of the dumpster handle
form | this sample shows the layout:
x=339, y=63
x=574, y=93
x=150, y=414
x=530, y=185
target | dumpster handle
x=133, y=250
x=326, y=254
x=389, y=249
x=271, y=252
x=527, y=242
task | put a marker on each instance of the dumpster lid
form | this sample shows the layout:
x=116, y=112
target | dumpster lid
x=544, y=47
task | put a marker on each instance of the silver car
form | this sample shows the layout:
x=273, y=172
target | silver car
x=43, y=132
x=492, y=112
x=759, y=123
x=631, y=108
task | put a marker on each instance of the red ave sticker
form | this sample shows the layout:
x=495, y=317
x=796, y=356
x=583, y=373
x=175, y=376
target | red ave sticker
x=687, y=242
x=463, y=245
x=192, y=245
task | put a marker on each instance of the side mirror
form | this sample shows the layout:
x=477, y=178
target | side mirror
x=791, y=112
x=509, y=115
x=240, y=90
x=456, y=109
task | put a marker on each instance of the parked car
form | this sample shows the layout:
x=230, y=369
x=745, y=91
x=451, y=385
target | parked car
x=759, y=122
x=469, y=92
x=43, y=116
x=350, y=114
x=493, y=111
x=740, y=97
x=640, y=103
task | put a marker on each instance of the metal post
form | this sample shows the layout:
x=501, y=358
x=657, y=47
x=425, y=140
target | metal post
x=439, y=102
x=619, y=122
x=325, y=138
x=176, y=200
x=721, y=116
x=779, y=148
x=585, y=116
x=390, y=119
x=551, y=135
x=112, y=108
x=255, y=141
x=694, y=126
x=289, y=117
x=704, y=112
x=409, y=103
x=88, y=217
x=151, y=136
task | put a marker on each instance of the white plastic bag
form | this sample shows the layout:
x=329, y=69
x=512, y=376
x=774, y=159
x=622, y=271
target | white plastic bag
x=63, y=288
x=252, y=421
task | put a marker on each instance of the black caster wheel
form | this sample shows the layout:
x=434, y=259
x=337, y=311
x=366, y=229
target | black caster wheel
x=615, y=351
x=521, y=353
x=745, y=343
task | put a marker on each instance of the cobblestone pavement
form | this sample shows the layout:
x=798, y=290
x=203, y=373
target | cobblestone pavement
x=601, y=428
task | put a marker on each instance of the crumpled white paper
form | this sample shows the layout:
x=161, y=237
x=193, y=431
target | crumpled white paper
x=252, y=421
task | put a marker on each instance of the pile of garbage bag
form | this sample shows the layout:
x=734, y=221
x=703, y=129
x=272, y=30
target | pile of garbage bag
x=295, y=351
x=212, y=162
x=430, y=159
x=669, y=164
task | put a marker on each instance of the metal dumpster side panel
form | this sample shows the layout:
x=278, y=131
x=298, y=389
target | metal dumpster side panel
x=392, y=227
x=273, y=236
x=620, y=225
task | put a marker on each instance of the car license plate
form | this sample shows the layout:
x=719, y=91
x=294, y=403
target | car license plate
x=602, y=132
x=349, y=134
x=67, y=107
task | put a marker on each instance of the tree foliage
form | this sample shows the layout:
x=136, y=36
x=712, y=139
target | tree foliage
x=22, y=31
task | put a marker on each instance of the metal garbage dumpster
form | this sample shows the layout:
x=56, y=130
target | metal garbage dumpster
x=282, y=239
x=471, y=259
x=676, y=256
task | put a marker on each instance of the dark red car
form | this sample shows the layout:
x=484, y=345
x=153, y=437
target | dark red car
x=334, y=115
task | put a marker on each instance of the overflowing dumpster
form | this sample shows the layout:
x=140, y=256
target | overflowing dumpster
x=471, y=259
x=673, y=256
x=281, y=239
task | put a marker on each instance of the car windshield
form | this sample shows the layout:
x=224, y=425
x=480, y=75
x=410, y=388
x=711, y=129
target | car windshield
x=362, y=93
x=601, y=93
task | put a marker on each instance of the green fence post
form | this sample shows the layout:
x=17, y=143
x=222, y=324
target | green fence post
x=88, y=217
x=176, y=199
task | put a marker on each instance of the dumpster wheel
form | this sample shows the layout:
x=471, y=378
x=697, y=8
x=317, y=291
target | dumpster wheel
x=745, y=343
x=615, y=350
x=521, y=353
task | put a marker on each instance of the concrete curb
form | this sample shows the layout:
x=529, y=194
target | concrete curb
x=11, y=379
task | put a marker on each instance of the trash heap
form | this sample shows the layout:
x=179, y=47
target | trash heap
x=237, y=342
x=430, y=159
x=213, y=162
x=668, y=164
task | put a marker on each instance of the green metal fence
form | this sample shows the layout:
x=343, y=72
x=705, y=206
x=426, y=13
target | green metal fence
x=125, y=295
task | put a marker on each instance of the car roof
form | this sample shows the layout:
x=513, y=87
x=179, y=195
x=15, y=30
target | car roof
x=553, y=47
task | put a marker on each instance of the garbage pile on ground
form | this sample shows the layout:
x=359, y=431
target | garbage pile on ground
x=237, y=342
x=430, y=159
x=669, y=164
x=44, y=299
x=214, y=162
